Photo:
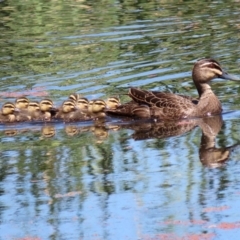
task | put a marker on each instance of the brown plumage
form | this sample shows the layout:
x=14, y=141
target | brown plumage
x=169, y=106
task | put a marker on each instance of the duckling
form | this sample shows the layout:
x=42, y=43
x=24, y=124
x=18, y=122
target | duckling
x=82, y=104
x=90, y=104
x=42, y=111
x=96, y=108
x=7, y=113
x=22, y=103
x=70, y=112
x=113, y=102
x=48, y=109
x=66, y=108
x=74, y=97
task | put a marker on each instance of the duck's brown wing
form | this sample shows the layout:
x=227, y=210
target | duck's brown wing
x=164, y=105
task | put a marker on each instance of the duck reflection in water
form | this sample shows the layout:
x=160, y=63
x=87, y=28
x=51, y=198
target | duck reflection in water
x=209, y=155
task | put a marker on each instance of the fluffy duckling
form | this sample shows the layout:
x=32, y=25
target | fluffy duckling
x=48, y=109
x=82, y=104
x=41, y=111
x=74, y=97
x=96, y=108
x=113, y=102
x=22, y=103
x=70, y=112
x=7, y=113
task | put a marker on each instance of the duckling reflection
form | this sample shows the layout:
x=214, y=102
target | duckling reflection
x=11, y=132
x=209, y=155
x=100, y=132
x=71, y=130
x=48, y=131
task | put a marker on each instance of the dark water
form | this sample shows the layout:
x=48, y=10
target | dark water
x=118, y=181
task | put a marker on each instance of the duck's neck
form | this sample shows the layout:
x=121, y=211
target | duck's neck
x=209, y=103
x=202, y=87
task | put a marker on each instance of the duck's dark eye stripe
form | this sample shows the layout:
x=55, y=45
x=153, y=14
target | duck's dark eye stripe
x=99, y=103
x=33, y=105
x=215, y=65
x=47, y=103
x=114, y=101
x=22, y=101
x=69, y=104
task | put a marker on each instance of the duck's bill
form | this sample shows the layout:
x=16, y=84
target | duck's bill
x=229, y=77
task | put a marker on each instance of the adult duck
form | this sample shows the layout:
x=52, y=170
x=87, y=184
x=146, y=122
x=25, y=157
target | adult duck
x=170, y=106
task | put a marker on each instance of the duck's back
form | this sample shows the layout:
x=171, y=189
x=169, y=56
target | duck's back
x=165, y=105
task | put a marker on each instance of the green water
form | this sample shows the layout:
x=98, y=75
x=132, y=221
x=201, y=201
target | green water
x=118, y=180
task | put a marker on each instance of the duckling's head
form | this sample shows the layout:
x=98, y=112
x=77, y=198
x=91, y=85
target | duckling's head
x=82, y=103
x=33, y=106
x=74, y=97
x=113, y=102
x=98, y=106
x=207, y=69
x=90, y=105
x=9, y=108
x=69, y=106
x=21, y=103
x=46, y=105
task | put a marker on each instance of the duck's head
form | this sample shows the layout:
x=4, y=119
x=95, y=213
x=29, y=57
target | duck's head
x=113, y=102
x=82, y=103
x=98, y=106
x=207, y=69
x=9, y=108
x=69, y=106
x=46, y=105
x=90, y=105
x=74, y=97
x=33, y=106
x=21, y=103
